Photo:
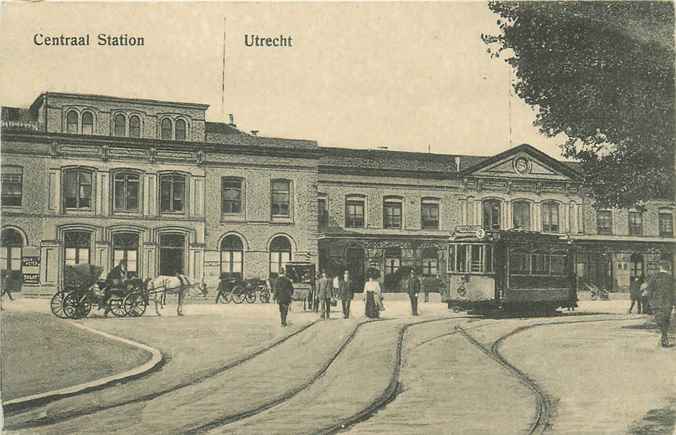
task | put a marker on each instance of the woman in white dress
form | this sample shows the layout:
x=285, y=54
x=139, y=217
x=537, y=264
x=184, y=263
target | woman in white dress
x=372, y=297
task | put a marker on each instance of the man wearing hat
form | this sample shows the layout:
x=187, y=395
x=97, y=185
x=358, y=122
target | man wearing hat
x=661, y=288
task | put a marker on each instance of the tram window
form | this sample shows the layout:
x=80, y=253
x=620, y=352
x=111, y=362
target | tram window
x=558, y=264
x=461, y=258
x=540, y=265
x=518, y=263
x=477, y=251
x=451, y=258
x=489, y=259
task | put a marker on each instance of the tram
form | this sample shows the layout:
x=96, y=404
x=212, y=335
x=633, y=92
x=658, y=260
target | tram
x=511, y=270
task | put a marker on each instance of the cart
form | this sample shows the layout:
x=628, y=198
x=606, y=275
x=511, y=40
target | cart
x=303, y=275
x=82, y=290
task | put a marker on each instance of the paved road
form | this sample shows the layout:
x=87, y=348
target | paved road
x=334, y=371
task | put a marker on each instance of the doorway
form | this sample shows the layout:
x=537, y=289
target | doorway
x=355, y=264
x=172, y=254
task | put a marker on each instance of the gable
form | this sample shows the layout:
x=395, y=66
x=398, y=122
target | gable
x=523, y=162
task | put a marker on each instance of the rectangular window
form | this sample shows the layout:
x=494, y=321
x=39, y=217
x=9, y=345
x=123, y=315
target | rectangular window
x=429, y=215
x=392, y=214
x=354, y=213
x=172, y=193
x=604, y=222
x=477, y=258
x=519, y=263
x=550, y=217
x=461, y=258
x=12, y=185
x=232, y=195
x=451, y=258
x=77, y=189
x=635, y=223
x=521, y=215
x=558, y=264
x=126, y=192
x=323, y=212
x=491, y=214
x=488, y=259
x=281, y=198
x=392, y=265
x=540, y=264
x=666, y=224
x=430, y=267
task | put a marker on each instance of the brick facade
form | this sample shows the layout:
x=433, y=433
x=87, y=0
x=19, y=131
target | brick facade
x=37, y=145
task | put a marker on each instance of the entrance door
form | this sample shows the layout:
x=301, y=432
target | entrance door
x=172, y=254
x=355, y=264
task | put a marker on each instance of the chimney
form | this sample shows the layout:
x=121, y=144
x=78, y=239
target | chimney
x=231, y=118
x=254, y=132
x=457, y=163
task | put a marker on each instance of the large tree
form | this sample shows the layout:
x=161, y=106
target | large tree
x=602, y=74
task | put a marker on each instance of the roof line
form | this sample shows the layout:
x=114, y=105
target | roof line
x=121, y=99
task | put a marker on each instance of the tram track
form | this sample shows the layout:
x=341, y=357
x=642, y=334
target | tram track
x=289, y=394
x=69, y=415
x=544, y=406
x=391, y=391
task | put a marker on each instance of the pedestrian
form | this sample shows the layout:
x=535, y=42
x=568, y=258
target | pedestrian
x=643, y=289
x=412, y=286
x=345, y=292
x=635, y=293
x=372, y=298
x=315, y=296
x=661, y=286
x=325, y=292
x=282, y=291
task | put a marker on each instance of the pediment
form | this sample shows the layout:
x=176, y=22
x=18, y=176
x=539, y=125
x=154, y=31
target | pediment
x=523, y=163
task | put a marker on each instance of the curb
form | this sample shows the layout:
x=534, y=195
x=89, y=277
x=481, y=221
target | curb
x=155, y=361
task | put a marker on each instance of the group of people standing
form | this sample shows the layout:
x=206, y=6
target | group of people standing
x=655, y=296
x=328, y=291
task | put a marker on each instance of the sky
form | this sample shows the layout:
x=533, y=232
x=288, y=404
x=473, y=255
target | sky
x=407, y=76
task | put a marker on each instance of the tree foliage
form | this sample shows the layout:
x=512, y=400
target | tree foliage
x=602, y=73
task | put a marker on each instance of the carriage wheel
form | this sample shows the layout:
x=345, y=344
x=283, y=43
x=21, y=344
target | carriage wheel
x=56, y=305
x=237, y=295
x=134, y=304
x=76, y=306
x=264, y=296
x=223, y=297
x=116, y=306
x=250, y=297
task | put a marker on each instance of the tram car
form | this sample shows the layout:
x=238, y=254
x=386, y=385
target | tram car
x=511, y=270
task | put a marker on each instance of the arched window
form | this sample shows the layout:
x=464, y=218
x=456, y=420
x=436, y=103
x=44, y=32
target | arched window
x=165, y=129
x=280, y=254
x=77, y=188
x=71, y=122
x=550, y=217
x=521, y=215
x=180, y=129
x=77, y=247
x=232, y=256
x=430, y=262
x=134, y=126
x=125, y=247
x=120, y=125
x=491, y=214
x=11, y=249
x=87, y=123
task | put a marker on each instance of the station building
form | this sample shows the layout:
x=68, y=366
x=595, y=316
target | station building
x=94, y=179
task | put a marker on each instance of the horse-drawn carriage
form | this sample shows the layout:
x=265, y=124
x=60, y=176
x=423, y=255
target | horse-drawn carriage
x=232, y=288
x=303, y=276
x=83, y=290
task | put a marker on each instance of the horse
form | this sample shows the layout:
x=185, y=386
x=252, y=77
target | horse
x=179, y=285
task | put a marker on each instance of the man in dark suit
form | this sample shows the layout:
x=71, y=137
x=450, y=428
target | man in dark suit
x=413, y=288
x=345, y=292
x=325, y=293
x=283, y=290
x=661, y=288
